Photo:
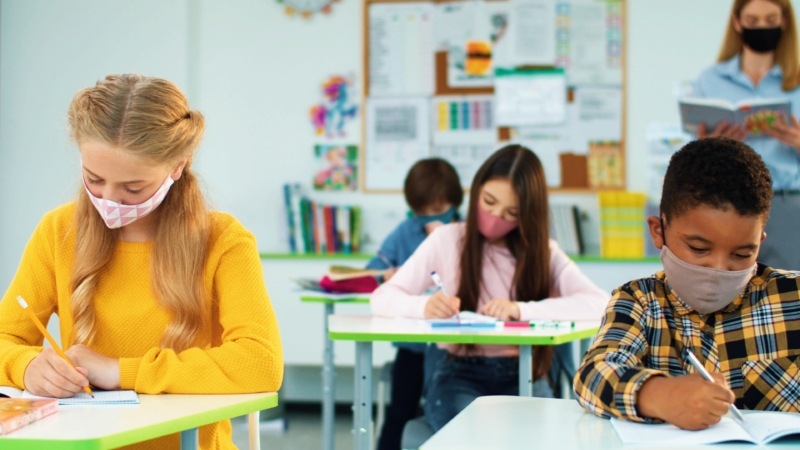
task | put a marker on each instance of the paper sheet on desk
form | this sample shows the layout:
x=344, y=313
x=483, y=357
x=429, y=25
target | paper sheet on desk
x=100, y=398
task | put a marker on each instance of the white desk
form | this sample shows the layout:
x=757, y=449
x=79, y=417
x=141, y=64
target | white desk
x=106, y=426
x=517, y=423
x=366, y=329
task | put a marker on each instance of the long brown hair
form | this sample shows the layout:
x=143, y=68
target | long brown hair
x=785, y=54
x=529, y=242
x=150, y=118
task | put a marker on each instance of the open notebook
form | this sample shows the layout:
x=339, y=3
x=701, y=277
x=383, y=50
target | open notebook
x=758, y=427
x=81, y=398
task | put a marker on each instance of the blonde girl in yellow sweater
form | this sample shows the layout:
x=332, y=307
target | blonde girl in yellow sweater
x=153, y=291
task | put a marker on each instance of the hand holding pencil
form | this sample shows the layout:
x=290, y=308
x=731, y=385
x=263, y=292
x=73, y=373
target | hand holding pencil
x=51, y=373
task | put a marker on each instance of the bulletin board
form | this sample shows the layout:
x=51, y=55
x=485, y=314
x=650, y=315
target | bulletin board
x=460, y=79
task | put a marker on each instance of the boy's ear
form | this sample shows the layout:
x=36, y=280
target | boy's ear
x=656, y=231
x=763, y=235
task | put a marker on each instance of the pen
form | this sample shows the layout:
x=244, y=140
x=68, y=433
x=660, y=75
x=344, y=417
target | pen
x=707, y=376
x=385, y=259
x=552, y=323
x=49, y=338
x=438, y=282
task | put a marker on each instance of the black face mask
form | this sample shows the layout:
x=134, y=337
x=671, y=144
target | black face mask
x=762, y=40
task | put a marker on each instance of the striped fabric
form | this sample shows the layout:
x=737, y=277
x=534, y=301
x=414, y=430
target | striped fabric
x=754, y=343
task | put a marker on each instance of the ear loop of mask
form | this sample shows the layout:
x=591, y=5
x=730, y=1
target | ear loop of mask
x=663, y=235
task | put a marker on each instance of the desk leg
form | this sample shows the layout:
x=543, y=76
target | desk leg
x=362, y=414
x=190, y=439
x=525, y=371
x=254, y=431
x=328, y=386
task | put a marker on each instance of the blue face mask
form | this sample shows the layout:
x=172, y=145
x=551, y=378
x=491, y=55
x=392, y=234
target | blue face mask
x=445, y=217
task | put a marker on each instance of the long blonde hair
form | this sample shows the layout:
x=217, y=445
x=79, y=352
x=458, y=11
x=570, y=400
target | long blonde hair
x=785, y=54
x=150, y=118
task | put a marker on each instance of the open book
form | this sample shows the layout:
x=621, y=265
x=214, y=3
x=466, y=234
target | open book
x=758, y=427
x=755, y=115
x=81, y=398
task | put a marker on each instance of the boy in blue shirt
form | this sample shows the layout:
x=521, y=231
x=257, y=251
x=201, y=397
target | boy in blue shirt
x=433, y=192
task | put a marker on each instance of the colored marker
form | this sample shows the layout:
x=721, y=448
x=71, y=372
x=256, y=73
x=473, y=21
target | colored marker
x=516, y=324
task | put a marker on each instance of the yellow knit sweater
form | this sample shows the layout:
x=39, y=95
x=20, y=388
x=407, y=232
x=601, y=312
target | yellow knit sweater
x=245, y=352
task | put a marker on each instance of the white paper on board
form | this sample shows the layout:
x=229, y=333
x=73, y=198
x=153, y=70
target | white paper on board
x=530, y=99
x=398, y=134
x=401, y=47
x=532, y=33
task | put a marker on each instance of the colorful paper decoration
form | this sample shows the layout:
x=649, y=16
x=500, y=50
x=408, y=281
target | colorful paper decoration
x=307, y=8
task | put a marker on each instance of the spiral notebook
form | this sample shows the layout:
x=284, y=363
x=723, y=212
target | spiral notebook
x=81, y=398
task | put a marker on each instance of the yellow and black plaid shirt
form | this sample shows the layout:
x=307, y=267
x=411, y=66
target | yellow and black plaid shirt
x=754, y=343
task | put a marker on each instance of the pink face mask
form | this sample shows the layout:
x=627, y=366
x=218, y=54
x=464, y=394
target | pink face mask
x=493, y=227
x=117, y=215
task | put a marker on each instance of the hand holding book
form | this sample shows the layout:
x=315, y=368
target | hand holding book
x=788, y=134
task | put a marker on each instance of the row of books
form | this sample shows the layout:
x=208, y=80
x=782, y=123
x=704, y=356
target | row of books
x=565, y=228
x=622, y=224
x=318, y=228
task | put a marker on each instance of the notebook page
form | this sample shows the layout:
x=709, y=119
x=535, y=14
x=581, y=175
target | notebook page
x=100, y=398
x=766, y=426
x=653, y=434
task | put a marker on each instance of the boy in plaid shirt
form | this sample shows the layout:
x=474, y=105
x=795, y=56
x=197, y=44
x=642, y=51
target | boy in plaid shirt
x=740, y=318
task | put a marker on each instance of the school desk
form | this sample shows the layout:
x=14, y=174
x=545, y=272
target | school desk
x=110, y=426
x=517, y=423
x=328, y=368
x=365, y=330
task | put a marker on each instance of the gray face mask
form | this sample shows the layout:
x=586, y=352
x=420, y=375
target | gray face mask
x=704, y=289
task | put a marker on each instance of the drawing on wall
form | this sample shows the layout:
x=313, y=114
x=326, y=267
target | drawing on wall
x=338, y=106
x=337, y=167
x=307, y=8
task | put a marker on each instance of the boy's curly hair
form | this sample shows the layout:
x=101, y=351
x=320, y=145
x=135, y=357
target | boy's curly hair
x=718, y=172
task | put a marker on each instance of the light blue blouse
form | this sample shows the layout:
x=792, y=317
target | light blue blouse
x=726, y=81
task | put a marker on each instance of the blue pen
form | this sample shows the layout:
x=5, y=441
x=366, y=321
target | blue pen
x=438, y=282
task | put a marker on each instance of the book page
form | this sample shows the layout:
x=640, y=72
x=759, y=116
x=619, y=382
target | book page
x=767, y=426
x=100, y=398
x=10, y=392
x=662, y=434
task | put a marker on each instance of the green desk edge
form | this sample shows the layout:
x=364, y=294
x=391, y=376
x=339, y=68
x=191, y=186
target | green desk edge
x=145, y=433
x=321, y=299
x=366, y=257
x=497, y=339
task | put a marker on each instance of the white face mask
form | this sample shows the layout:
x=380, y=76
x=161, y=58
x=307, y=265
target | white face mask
x=704, y=289
x=117, y=215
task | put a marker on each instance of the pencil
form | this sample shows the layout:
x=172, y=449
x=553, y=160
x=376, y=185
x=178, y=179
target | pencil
x=49, y=338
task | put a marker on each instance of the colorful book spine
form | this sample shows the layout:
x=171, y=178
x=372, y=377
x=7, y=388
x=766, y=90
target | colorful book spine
x=297, y=228
x=622, y=224
x=355, y=225
x=287, y=201
x=344, y=228
x=319, y=228
x=16, y=413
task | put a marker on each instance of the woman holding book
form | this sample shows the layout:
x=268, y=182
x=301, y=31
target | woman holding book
x=759, y=60
x=154, y=292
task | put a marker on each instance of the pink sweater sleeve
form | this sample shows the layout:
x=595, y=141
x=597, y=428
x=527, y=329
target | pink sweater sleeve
x=401, y=296
x=574, y=296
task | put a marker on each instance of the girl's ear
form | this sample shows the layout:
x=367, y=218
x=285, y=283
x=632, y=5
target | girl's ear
x=736, y=25
x=178, y=170
x=656, y=231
